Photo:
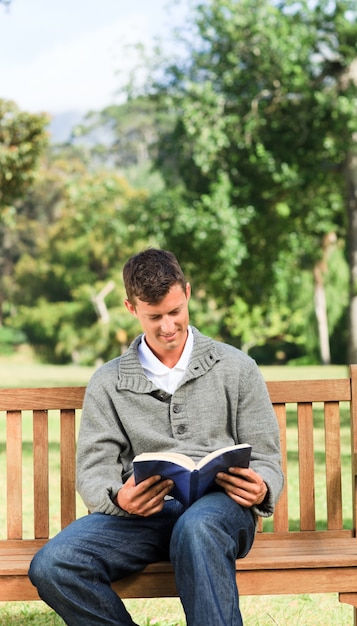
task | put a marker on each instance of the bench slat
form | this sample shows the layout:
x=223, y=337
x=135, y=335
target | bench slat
x=68, y=467
x=333, y=465
x=41, y=398
x=281, y=514
x=41, y=474
x=306, y=466
x=329, y=390
x=14, y=473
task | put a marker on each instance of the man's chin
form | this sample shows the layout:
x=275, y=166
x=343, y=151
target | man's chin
x=170, y=345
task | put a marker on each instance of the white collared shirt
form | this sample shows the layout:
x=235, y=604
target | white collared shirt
x=164, y=377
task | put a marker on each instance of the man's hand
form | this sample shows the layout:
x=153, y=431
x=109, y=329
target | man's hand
x=244, y=486
x=146, y=498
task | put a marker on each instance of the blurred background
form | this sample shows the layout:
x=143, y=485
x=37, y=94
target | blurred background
x=223, y=130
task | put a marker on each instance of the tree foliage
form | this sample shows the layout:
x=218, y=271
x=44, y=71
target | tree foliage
x=265, y=100
x=23, y=138
x=60, y=278
x=252, y=134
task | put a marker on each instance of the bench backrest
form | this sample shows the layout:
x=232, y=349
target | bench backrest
x=314, y=416
x=35, y=406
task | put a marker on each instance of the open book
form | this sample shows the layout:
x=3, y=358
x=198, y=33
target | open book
x=191, y=480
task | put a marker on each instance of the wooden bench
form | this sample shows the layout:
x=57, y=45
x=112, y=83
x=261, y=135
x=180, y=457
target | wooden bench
x=293, y=553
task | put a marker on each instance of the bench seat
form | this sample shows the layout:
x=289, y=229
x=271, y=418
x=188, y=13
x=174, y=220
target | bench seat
x=275, y=565
x=319, y=557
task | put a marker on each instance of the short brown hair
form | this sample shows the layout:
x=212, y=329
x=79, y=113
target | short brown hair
x=149, y=275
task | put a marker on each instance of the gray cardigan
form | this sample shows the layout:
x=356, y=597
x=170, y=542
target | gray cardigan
x=221, y=400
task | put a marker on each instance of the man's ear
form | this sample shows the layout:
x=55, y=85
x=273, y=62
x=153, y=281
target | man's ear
x=130, y=307
x=188, y=291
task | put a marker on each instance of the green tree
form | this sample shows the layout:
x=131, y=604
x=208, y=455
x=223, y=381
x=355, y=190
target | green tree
x=23, y=139
x=266, y=99
x=125, y=136
x=68, y=290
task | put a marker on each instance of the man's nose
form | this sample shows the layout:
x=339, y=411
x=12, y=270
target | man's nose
x=167, y=324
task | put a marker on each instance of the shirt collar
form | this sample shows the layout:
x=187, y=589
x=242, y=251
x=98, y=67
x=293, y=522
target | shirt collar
x=151, y=363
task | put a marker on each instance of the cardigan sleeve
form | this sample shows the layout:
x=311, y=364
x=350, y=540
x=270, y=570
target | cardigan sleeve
x=257, y=424
x=100, y=471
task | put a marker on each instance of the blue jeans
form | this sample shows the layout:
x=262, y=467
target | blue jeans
x=74, y=570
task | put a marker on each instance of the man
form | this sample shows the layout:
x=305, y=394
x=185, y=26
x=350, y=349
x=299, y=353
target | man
x=174, y=389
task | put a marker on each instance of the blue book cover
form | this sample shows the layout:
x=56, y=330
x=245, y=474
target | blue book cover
x=192, y=480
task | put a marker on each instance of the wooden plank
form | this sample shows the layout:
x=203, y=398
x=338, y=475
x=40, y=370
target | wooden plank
x=306, y=466
x=317, y=566
x=281, y=516
x=256, y=582
x=296, y=536
x=253, y=583
x=261, y=582
x=17, y=588
x=297, y=581
x=348, y=598
x=333, y=465
x=41, y=398
x=14, y=474
x=68, y=467
x=330, y=390
x=72, y=397
x=41, y=476
x=273, y=555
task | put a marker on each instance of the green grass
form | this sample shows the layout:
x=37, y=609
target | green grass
x=301, y=610
x=18, y=374
x=303, y=372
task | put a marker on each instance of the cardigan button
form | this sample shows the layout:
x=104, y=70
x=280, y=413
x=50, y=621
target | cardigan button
x=177, y=408
x=181, y=429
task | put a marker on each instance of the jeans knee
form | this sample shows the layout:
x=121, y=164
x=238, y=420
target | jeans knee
x=190, y=535
x=43, y=569
x=229, y=531
x=38, y=569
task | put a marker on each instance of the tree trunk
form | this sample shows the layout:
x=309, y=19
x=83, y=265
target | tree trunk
x=99, y=302
x=321, y=316
x=320, y=298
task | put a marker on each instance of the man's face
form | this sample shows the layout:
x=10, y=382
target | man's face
x=165, y=324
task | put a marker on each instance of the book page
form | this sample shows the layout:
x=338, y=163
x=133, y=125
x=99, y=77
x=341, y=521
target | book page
x=172, y=457
x=216, y=453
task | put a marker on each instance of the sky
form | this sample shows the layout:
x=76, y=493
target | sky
x=71, y=55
